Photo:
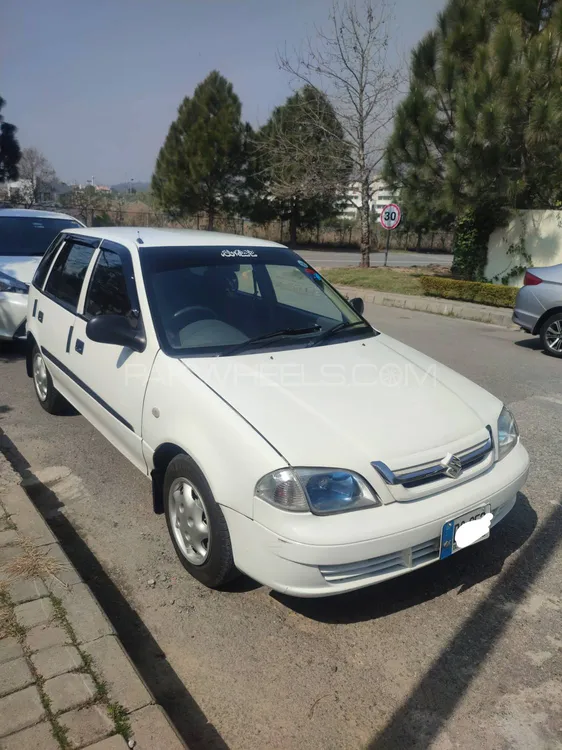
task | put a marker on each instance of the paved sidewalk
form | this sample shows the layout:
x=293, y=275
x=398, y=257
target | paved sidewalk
x=65, y=680
x=500, y=316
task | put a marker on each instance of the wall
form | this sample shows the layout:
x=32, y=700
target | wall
x=543, y=241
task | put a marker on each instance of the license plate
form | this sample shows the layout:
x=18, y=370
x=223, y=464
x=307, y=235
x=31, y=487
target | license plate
x=448, y=533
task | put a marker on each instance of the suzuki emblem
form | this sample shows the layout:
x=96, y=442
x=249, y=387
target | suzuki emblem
x=452, y=465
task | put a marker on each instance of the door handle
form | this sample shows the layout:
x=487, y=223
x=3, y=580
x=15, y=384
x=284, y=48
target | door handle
x=79, y=346
x=69, y=339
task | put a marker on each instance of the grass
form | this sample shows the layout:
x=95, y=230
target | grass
x=33, y=563
x=400, y=281
x=120, y=720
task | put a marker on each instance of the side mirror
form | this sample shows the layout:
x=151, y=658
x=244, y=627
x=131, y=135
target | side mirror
x=115, y=329
x=357, y=304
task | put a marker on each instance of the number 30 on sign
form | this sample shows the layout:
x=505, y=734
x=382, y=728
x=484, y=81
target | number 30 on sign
x=391, y=216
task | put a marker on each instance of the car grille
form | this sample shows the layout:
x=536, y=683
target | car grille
x=376, y=567
x=416, y=476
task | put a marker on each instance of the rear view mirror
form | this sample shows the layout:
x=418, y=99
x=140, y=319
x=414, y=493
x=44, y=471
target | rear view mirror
x=357, y=304
x=115, y=329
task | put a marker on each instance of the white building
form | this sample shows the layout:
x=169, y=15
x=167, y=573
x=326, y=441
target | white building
x=381, y=196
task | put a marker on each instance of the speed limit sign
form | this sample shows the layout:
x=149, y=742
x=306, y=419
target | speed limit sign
x=390, y=216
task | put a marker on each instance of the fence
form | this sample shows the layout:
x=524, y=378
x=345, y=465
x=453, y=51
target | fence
x=344, y=235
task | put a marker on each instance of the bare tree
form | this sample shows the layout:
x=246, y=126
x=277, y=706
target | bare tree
x=87, y=203
x=350, y=63
x=37, y=173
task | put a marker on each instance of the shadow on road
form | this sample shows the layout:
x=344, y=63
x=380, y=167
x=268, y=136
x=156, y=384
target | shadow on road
x=530, y=342
x=418, y=721
x=11, y=351
x=143, y=649
x=463, y=570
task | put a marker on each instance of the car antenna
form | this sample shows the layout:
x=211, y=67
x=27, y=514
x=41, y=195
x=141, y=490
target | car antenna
x=139, y=238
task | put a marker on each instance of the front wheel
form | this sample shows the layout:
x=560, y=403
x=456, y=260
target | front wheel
x=551, y=335
x=48, y=396
x=196, y=524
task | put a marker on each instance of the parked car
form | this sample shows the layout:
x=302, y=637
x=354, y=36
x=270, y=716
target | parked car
x=285, y=437
x=538, y=307
x=25, y=235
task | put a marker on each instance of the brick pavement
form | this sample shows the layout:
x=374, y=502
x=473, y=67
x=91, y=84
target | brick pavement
x=65, y=680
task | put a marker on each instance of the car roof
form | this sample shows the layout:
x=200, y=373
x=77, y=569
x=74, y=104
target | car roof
x=31, y=213
x=150, y=237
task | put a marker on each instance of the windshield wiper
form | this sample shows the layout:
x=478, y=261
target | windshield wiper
x=271, y=335
x=335, y=329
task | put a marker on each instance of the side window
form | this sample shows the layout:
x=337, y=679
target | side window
x=108, y=290
x=247, y=281
x=296, y=288
x=46, y=260
x=68, y=271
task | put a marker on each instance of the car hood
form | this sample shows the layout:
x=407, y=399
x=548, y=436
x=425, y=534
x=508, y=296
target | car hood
x=347, y=404
x=18, y=267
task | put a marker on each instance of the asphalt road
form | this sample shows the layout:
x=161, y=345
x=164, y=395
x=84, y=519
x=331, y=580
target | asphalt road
x=462, y=654
x=329, y=259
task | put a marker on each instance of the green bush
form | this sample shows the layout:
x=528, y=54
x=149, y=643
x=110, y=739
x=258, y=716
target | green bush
x=469, y=291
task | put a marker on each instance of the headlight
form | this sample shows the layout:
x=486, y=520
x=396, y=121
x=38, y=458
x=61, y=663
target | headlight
x=508, y=434
x=322, y=491
x=9, y=284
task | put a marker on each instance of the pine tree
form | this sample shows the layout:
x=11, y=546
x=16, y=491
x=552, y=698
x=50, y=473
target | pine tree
x=479, y=130
x=425, y=122
x=302, y=161
x=199, y=166
x=10, y=152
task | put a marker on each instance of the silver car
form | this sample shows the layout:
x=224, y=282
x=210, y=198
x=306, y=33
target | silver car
x=25, y=235
x=538, y=307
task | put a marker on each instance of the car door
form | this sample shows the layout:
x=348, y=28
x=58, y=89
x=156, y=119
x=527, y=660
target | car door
x=54, y=307
x=112, y=378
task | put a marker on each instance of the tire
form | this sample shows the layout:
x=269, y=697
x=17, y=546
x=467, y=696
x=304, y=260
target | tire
x=199, y=532
x=551, y=335
x=47, y=395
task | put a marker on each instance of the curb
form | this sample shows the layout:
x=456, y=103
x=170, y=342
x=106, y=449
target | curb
x=150, y=726
x=499, y=316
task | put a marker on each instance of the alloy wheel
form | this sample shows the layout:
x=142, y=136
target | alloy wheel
x=553, y=336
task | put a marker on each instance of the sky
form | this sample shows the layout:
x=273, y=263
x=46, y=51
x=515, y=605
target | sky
x=95, y=85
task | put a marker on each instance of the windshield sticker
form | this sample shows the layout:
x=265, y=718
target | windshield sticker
x=312, y=274
x=239, y=254
x=302, y=263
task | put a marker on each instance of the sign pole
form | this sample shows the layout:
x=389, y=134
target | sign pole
x=390, y=218
x=387, y=246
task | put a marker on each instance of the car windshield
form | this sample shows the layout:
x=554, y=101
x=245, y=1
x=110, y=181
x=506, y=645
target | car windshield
x=29, y=235
x=217, y=300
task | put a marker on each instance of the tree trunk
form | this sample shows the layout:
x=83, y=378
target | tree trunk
x=418, y=245
x=318, y=233
x=365, y=242
x=211, y=219
x=293, y=224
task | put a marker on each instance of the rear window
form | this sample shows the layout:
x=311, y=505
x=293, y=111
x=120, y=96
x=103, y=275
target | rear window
x=27, y=236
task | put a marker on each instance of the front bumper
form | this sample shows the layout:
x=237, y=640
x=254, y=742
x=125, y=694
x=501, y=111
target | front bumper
x=13, y=312
x=314, y=570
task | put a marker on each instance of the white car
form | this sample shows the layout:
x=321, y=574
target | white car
x=285, y=437
x=25, y=235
